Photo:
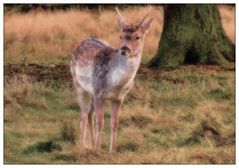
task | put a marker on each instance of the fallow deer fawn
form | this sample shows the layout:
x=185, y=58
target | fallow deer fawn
x=101, y=72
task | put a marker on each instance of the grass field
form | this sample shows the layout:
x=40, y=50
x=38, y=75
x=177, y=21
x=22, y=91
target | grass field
x=179, y=116
x=186, y=115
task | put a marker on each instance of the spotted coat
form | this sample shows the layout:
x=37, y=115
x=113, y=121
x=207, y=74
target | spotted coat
x=100, y=70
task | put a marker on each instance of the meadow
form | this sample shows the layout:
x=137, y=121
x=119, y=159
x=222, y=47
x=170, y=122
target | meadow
x=185, y=115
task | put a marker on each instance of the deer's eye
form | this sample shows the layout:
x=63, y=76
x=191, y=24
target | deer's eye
x=137, y=38
x=126, y=37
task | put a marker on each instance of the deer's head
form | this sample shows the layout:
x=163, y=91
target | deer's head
x=132, y=35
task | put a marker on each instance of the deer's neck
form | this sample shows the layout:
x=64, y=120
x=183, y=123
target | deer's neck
x=123, y=69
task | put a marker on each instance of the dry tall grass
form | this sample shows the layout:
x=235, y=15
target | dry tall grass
x=45, y=37
x=56, y=34
x=228, y=20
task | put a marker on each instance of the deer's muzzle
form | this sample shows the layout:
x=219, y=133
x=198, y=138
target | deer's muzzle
x=124, y=50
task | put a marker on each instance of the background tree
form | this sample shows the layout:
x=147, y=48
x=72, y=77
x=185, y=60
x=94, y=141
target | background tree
x=193, y=34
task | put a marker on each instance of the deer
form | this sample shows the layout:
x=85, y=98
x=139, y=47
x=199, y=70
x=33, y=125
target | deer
x=102, y=72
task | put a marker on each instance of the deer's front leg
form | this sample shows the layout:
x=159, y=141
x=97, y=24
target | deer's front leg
x=98, y=105
x=114, y=122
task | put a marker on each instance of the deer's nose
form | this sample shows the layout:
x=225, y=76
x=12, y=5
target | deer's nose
x=124, y=50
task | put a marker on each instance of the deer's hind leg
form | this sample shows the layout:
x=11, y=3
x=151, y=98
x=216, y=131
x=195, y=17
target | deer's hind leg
x=84, y=100
x=90, y=122
x=98, y=105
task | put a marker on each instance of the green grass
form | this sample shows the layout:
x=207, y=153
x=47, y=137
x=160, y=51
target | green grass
x=47, y=146
x=168, y=117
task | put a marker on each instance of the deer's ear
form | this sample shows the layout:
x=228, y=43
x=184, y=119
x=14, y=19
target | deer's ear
x=145, y=26
x=120, y=19
x=120, y=23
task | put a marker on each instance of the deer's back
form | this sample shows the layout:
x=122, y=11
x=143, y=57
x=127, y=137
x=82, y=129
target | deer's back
x=91, y=56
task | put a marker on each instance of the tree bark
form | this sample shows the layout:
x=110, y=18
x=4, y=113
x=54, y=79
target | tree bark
x=193, y=34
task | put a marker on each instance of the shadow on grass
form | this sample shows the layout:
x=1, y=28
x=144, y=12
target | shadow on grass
x=127, y=147
x=47, y=146
x=192, y=140
x=66, y=157
x=220, y=94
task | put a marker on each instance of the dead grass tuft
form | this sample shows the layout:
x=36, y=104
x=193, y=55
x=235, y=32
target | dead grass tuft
x=129, y=147
x=137, y=121
x=68, y=132
x=66, y=157
x=213, y=156
x=19, y=90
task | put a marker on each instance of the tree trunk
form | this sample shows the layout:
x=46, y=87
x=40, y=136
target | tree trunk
x=193, y=34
